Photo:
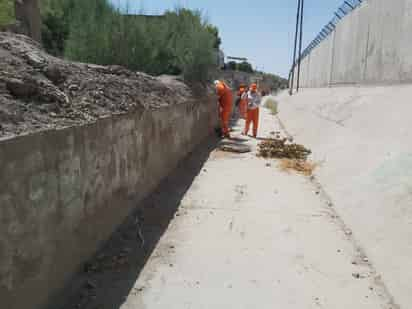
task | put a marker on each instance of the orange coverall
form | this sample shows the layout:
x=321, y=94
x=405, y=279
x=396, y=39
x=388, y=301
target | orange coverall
x=252, y=117
x=254, y=101
x=242, y=104
x=225, y=106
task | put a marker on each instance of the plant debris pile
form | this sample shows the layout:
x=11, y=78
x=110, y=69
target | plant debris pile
x=280, y=148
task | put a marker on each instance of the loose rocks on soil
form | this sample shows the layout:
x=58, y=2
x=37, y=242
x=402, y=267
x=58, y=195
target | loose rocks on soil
x=38, y=91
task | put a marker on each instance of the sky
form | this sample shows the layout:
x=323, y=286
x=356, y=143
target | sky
x=260, y=30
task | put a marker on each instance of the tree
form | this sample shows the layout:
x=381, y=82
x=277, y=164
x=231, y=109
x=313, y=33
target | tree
x=7, y=15
x=56, y=17
x=245, y=67
x=179, y=42
x=215, y=32
x=232, y=65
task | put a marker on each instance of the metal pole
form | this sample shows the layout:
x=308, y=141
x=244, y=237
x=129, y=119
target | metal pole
x=294, y=50
x=300, y=43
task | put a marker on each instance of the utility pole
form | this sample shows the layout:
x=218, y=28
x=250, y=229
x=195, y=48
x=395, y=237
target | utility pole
x=294, y=49
x=300, y=43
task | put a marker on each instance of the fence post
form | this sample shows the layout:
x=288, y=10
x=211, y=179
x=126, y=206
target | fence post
x=300, y=43
x=294, y=49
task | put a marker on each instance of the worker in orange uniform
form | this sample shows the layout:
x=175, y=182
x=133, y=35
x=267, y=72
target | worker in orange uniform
x=254, y=100
x=225, y=106
x=242, y=101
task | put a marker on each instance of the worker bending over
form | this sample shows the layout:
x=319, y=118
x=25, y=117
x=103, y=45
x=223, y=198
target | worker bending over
x=253, y=103
x=225, y=106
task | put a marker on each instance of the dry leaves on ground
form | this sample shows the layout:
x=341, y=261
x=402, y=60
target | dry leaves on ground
x=292, y=156
x=280, y=148
x=301, y=166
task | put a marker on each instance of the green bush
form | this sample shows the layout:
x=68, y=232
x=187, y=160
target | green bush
x=191, y=44
x=245, y=67
x=180, y=42
x=56, y=19
x=6, y=12
x=92, y=32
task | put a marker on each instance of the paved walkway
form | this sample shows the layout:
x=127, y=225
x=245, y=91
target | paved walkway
x=247, y=235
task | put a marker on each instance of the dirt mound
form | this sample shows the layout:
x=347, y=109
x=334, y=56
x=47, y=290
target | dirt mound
x=38, y=91
x=280, y=148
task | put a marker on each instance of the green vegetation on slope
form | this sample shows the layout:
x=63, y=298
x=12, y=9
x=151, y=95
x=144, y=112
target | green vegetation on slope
x=6, y=12
x=275, y=80
x=56, y=18
x=180, y=42
x=243, y=66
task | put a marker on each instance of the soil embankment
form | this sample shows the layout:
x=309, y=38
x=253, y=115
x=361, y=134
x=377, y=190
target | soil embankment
x=80, y=146
x=39, y=91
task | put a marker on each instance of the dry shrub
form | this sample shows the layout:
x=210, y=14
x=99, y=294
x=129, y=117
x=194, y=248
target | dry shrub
x=302, y=166
x=271, y=103
x=281, y=148
x=292, y=156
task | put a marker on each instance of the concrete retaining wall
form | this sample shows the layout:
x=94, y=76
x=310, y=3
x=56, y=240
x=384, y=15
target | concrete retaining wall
x=371, y=45
x=64, y=192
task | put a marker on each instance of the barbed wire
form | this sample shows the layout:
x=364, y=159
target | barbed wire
x=347, y=7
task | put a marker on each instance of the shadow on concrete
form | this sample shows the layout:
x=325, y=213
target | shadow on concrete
x=236, y=140
x=108, y=279
x=235, y=116
x=263, y=139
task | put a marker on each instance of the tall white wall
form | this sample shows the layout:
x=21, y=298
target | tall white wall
x=371, y=45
